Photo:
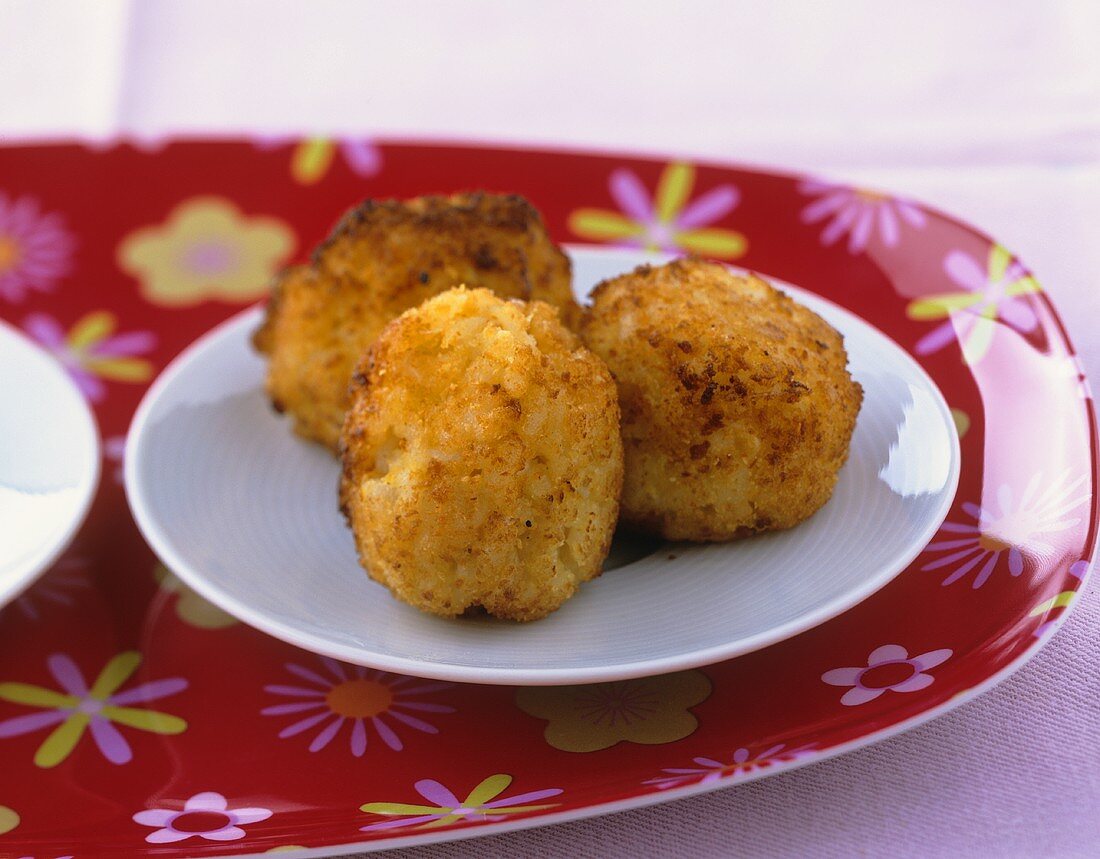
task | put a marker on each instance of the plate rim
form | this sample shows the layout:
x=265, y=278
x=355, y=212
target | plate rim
x=161, y=544
x=1030, y=649
x=88, y=485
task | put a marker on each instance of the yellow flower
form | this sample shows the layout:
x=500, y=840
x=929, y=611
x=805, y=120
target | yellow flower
x=8, y=819
x=206, y=250
x=669, y=222
x=650, y=710
x=190, y=607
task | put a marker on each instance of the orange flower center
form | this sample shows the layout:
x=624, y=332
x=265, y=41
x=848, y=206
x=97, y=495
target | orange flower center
x=9, y=253
x=359, y=699
x=993, y=544
x=869, y=196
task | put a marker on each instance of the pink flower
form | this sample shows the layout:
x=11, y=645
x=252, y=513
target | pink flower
x=35, y=248
x=1006, y=525
x=991, y=292
x=857, y=212
x=669, y=221
x=91, y=351
x=709, y=770
x=206, y=815
x=353, y=695
x=483, y=804
x=97, y=708
x=889, y=669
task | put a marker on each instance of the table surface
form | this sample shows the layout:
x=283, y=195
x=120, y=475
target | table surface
x=989, y=111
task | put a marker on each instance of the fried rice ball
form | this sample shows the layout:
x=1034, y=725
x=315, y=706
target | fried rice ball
x=482, y=457
x=737, y=406
x=381, y=259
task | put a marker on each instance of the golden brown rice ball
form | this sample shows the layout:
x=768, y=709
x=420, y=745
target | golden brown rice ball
x=737, y=406
x=383, y=258
x=482, y=457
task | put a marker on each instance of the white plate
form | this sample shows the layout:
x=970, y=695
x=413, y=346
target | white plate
x=49, y=461
x=246, y=514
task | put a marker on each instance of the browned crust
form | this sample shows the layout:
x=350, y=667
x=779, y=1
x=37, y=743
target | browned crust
x=382, y=258
x=482, y=462
x=737, y=406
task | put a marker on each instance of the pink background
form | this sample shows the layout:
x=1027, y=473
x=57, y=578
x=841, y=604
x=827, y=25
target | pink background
x=988, y=110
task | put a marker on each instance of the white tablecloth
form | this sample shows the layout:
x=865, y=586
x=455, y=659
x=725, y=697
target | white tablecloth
x=990, y=110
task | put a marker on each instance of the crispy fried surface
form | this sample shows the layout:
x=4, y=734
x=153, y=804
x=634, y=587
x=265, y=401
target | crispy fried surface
x=381, y=259
x=737, y=407
x=482, y=457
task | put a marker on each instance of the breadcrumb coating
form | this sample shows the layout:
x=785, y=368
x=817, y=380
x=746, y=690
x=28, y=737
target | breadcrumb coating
x=482, y=457
x=381, y=259
x=737, y=406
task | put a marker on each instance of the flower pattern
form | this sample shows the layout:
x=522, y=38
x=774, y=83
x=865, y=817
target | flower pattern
x=312, y=158
x=35, y=248
x=206, y=815
x=858, y=213
x=709, y=770
x=57, y=588
x=192, y=608
x=8, y=819
x=668, y=222
x=888, y=669
x=1062, y=600
x=588, y=718
x=91, y=351
x=352, y=694
x=962, y=422
x=990, y=293
x=1036, y=601
x=1007, y=528
x=481, y=805
x=98, y=709
x=1059, y=601
x=206, y=250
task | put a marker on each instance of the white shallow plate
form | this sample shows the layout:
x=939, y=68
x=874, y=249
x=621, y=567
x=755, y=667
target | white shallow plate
x=49, y=461
x=246, y=514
